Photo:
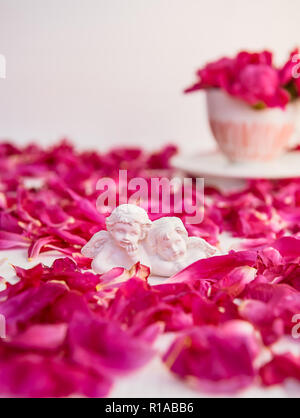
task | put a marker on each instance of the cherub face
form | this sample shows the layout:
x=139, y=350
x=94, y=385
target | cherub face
x=126, y=234
x=172, y=248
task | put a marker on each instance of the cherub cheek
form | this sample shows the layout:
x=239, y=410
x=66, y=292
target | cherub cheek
x=119, y=237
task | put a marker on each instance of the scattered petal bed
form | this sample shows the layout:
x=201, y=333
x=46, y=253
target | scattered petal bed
x=70, y=332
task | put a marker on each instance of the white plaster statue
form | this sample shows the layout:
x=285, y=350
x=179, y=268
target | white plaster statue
x=131, y=237
x=171, y=249
x=121, y=245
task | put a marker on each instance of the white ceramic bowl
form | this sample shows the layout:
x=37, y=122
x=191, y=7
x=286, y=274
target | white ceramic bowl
x=246, y=134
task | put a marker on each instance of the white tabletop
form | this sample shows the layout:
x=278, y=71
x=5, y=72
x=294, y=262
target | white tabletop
x=155, y=380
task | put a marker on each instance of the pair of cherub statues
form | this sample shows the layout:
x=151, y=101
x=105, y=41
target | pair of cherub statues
x=131, y=237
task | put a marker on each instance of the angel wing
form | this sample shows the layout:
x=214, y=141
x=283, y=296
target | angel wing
x=201, y=244
x=93, y=247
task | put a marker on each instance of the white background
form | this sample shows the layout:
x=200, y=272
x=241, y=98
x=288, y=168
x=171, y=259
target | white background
x=111, y=72
x=106, y=72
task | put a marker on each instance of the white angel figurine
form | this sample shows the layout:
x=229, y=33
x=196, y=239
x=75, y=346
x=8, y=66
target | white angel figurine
x=171, y=249
x=121, y=245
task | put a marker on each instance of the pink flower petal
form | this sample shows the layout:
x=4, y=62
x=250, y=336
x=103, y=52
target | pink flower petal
x=104, y=347
x=219, y=359
x=279, y=369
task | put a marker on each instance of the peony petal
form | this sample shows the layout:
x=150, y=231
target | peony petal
x=9, y=240
x=104, y=347
x=279, y=369
x=20, y=309
x=215, y=267
x=35, y=376
x=40, y=337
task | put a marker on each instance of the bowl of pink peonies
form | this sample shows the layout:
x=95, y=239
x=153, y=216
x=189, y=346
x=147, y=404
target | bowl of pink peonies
x=251, y=104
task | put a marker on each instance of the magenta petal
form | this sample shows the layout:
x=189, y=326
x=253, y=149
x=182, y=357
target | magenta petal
x=279, y=369
x=220, y=359
x=270, y=309
x=43, y=377
x=20, y=309
x=236, y=281
x=289, y=247
x=9, y=240
x=29, y=279
x=104, y=347
x=63, y=309
x=36, y=247
x=66, y=270
x=70, y=331
x=41, y=337
x=9, y=223
x=215, y=267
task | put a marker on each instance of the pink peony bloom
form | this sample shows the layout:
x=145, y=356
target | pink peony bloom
x=215, y=74
x=259, y=84
x=250, y=77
